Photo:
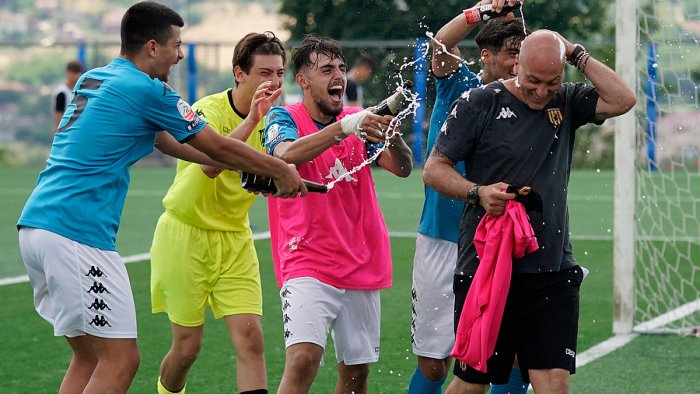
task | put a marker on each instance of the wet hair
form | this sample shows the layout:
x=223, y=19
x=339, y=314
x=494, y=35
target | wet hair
x=498, y=32
x=365, y=59
x=307, y=53
x=256, y=44
x=147, y=21
x=75, y=66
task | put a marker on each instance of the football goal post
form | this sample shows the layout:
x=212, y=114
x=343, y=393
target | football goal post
x=657, y=170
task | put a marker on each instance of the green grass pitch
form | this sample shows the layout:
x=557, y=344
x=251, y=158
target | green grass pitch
x=33, y=361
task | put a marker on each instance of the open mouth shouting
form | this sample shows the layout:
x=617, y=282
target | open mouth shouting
x=335, y=92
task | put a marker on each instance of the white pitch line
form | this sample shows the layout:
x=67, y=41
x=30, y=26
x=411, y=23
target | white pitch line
x=604, y=348
x=668, y=317
x=13, y=280
x=134, y=258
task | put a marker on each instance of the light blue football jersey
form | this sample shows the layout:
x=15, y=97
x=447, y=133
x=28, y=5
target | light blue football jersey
x=441, y=215
x=111, y=123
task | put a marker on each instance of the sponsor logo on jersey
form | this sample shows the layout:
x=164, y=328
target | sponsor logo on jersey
x=554, y=116
x=506, y=113
x=338, y=171
x=191, y=126
x=185, y=110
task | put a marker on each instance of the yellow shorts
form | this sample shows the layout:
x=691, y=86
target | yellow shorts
x=192, y=267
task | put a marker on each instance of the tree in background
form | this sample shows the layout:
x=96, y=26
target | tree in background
x=362, y=20
x=407, y=19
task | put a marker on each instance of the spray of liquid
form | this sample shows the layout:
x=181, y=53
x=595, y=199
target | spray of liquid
x=412, y=104
x=412, y=100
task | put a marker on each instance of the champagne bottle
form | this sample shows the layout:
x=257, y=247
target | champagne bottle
x=480, y=13
x=392, y=104
x=263, y=184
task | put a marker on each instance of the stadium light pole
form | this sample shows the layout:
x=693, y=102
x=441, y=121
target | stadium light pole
x=625, y=192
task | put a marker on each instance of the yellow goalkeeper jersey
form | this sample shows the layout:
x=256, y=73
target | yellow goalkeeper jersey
x=220, y=203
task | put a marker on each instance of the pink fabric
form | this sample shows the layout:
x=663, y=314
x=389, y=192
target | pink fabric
x=339, y=237
x=497, y=241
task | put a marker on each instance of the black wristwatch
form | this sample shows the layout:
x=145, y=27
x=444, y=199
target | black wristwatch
x=473, y=195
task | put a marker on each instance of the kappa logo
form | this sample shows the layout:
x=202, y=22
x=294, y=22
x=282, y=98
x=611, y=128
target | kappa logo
x=286, y=292
x=99, y=321
x=286, y=305
x=338, y=171
x=506, y=113
x=95, y=272
x=570, y=352
x=287, y=319
x=98, y=288
x=99, y=305
x=287, y=334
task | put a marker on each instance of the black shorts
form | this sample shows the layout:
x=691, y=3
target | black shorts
x=540, y=325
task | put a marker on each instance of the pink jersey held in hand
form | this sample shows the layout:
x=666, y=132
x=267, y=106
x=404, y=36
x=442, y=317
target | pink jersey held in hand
x=497, y=241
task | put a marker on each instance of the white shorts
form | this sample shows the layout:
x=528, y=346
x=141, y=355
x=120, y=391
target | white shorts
x=310, y=308
x=432, y=328
x=77, y=288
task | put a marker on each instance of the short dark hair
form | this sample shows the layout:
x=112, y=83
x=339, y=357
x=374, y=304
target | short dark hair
x=365, y=59
x=314, y=44
x=256, y=44
x=75, y=66
x=147, y=21
x=498, y=32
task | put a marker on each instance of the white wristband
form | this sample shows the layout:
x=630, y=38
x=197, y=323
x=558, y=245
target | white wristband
x=351, y=123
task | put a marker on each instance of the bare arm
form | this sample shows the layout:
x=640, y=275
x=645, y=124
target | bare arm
x=446, y=60
x=259, y=107
x=167, y=144
x=236, y=155
x=261, y=104
x=440, y=174
x=309, y=146
x=397, y=158
x=614, y=96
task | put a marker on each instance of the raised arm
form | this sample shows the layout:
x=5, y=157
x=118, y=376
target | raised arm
x=261, y=103
x=614, y=96
x=446, y=60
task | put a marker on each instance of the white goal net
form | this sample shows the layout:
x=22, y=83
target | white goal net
x=666, y=189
